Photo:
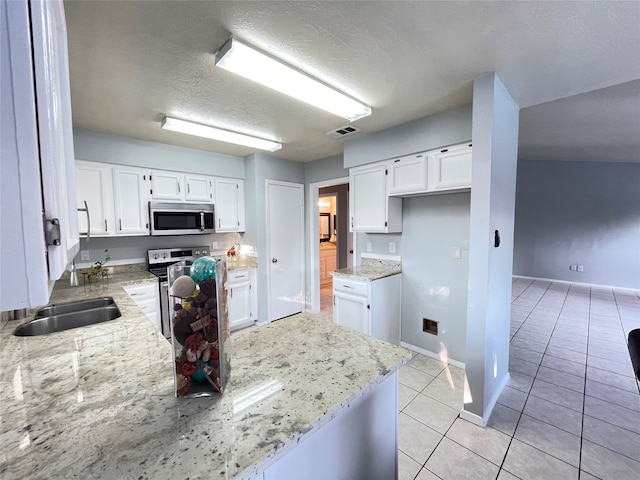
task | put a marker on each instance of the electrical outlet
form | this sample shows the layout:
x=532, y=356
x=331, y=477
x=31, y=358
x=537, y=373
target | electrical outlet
x=214, y=245
x=573, y=268
x=392, y=247
x=457, y=252
x=581, y=268
x=84, y=254
x=369, y=247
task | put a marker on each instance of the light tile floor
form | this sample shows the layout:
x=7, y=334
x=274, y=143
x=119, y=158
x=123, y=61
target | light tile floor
x=571, y=409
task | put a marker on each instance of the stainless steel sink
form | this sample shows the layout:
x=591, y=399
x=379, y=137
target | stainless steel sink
x=64, y=316
x=70, y=307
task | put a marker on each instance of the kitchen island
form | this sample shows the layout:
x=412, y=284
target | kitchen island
x=98, y=402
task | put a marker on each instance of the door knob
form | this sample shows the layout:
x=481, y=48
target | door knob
x=274, y=260
x=350, y=251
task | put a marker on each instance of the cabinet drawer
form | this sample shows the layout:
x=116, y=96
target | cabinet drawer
x=238, y=276
x=148, y=306
x=142, y=292
x=354, y=287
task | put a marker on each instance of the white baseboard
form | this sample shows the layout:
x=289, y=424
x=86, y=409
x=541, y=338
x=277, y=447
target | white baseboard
x=596, y=285
x=427, y=353
x=472, y=417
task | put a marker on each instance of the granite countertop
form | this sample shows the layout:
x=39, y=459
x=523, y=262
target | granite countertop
x=98, y=401
x=371, y=269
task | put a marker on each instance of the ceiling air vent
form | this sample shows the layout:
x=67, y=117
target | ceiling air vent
x=342, y=131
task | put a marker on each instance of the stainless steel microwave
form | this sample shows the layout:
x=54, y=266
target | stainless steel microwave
x=181, y=218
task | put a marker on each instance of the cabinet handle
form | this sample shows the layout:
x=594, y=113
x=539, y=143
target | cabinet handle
x=351, y=222
x=334, y=300
x=178, y=187
x=240, y=276
x=347, y=286
x=188, y=188
x=231, y=292
x=120, y=223
x=86, y=210
x=105, y=225
x=218, y=222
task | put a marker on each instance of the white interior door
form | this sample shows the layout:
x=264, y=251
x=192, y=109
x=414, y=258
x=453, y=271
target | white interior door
x=285, y=248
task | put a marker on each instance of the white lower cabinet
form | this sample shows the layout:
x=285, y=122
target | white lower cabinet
x=242, y=300
x=147, y=298
x=371, y=307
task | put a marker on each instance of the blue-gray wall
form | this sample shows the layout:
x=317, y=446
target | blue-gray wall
x=584, y=213
x=440, y=130
x=434, y=285
x=258, y=168
x=104, y=147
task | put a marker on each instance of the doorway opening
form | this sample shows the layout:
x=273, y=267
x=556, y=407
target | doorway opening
x=331, y=243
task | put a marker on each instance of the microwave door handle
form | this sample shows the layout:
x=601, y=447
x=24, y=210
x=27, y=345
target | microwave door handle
x=202, y=221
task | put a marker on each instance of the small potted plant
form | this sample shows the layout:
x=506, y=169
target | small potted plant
x=98, y=267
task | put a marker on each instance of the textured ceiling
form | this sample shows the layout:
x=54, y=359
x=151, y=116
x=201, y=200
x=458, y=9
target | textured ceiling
x=133, y=62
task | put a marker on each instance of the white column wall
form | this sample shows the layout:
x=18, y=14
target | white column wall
x=495, y=148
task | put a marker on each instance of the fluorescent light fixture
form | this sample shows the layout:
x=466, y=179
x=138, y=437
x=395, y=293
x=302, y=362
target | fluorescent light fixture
x=243, y=60
x=183, y=126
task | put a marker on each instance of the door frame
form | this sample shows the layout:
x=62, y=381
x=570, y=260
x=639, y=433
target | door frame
x=300, y=186
x=313, y=303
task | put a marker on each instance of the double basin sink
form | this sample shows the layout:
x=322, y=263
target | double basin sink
x=64, y=316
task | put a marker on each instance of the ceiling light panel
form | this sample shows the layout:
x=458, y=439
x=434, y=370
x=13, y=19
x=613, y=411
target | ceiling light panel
x=243, y=60
x=190, y=128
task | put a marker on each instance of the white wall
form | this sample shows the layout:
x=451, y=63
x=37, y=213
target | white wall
x=578, y=213
x=495, y=148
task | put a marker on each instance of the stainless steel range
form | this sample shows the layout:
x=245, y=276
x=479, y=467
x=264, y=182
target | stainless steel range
x=157, y=262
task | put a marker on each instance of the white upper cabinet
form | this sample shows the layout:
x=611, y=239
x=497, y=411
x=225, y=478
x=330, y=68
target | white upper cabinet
x=371, y=209
x=198, y=188
x=131, y=191
x=167, y=186
x=408, y=174
x=229, y=209
x=181, y=187
x=450, y=168
x=94, y=185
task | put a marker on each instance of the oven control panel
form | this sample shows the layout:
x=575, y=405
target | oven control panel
x=172, y=255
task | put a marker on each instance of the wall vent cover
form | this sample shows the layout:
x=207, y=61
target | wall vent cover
x=430, y=326
x=342, y=131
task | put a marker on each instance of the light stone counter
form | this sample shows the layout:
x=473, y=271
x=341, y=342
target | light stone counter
x=370, y=270
x=98, y=401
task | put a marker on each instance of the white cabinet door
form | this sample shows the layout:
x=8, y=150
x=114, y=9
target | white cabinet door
x=371, y=208
x=198, y=188
x=94, y=185
x=226, y=193
x=351, y=311
x=368, y=199
x=167, y=185
x=131, y=200
x=450, y=168
x=408, y=174
x=53, y=100
x=239, y=305
x=240, y=205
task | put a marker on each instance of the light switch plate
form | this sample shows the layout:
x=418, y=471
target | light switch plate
x=457, y=252
x=369, y=247
x=392, y=247
x=84, y=254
